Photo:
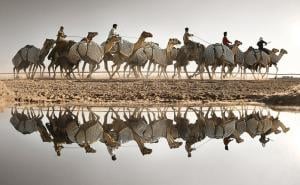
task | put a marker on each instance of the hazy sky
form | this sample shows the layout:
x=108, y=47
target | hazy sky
x=31, y=21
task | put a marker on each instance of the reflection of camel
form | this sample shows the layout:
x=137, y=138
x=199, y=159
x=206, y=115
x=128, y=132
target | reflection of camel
x=29, y=122
x=161, y=127
x=131, y=129
x=57, y=127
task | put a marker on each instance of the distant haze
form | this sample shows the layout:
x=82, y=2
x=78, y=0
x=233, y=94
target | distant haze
x=31, y=21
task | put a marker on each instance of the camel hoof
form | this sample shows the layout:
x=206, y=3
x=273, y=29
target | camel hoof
x=146, y=151
x=175, y=144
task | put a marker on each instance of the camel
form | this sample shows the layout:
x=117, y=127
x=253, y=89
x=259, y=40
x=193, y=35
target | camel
x=218, y=55
x=32, y=57
x=163, y=57
x=90, y=52
x=123, y=51
x=58, y=57
x=255, y=60
x=276, y=58
x=186, y=54
x=155, y=55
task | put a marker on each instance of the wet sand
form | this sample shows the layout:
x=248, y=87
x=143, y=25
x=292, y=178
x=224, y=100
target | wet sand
x=283, y=92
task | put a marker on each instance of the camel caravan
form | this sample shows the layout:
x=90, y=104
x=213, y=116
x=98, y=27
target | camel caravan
x=117, y=127
x=68, y=54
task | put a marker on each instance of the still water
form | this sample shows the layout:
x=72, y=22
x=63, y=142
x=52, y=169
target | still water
x=145, y=146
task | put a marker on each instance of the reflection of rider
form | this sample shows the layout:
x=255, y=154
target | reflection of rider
x=261, y=43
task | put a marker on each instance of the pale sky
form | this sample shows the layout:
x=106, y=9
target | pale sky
x=31, y=21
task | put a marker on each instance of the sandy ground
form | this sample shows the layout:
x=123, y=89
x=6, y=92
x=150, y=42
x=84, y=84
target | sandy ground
x=6, y=96
x=153, y=92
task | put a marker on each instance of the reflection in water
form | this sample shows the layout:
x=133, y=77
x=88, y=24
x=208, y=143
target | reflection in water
x=83, y=127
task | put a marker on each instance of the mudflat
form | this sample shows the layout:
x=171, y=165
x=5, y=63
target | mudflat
x=126, y=92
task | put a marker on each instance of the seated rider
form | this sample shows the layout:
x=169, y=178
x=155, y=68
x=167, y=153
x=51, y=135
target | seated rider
x=186, y=39
x=261, y=43
x=225, y=40
x=113, y=31
x=61, y=43
x=60, y=34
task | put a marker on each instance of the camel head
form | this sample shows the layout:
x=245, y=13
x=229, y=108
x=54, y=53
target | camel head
x=174, y=41
x=274, y=50
x=145, y=35
x=237, y=43
x=91, y=35
x=283, y=51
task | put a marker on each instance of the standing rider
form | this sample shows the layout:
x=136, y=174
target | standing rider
x=225, y=40
x=261, y=43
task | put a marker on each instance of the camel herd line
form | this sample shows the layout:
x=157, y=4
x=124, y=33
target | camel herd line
x=67, y=56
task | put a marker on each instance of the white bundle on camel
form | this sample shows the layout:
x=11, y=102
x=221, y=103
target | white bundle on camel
x=27, y=53
x=216, y=52
x=252, y=57
x=88, y=51
x=126, y=47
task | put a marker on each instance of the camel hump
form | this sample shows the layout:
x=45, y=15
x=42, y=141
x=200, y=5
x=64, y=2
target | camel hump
x=29, y=46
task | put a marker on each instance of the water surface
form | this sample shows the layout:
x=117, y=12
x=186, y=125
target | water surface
x=196, y=145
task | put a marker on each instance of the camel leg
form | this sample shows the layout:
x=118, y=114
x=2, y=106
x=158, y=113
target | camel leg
x=91, y=70
x=186, y=73
x=49, y=69
x=140, y=71
x=54, y=71
x=207, y=69
x=34, y=70
x=148, y=69
x=29, y=70
x=44, y=67
x=14, y=71
x=83, y=68
x=153, y=70
x=165, y=72
x=106, y=67
x=117, y=69
x=276, y=71
x=125, y=68
x=178, y=72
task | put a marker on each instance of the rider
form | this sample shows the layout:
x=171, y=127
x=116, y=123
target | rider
x=60, y=34
x=261, y=43
x=186, y=37
x=225, y=41
x=113, y=31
